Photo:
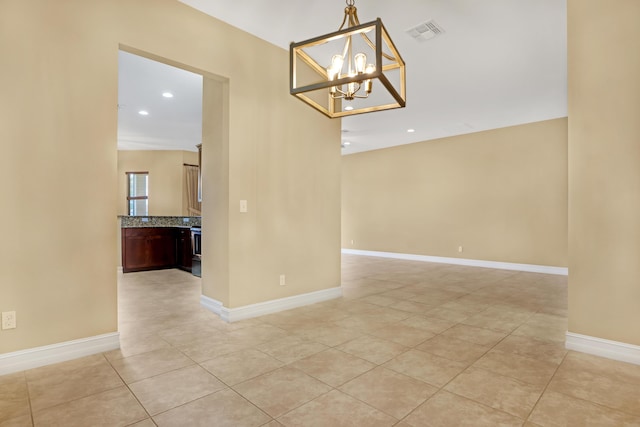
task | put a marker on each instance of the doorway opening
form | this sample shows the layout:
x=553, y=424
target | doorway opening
x=161, y=132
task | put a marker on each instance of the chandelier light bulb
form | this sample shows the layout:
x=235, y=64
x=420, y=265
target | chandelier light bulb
x=331, y=73
x=360, y=60
x=336, y=63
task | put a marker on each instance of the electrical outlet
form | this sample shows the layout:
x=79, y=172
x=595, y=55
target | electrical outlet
x=282, y=280
x=460, y=249
x=8, y=319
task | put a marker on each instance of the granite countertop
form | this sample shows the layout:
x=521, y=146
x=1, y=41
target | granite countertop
x=159, y=221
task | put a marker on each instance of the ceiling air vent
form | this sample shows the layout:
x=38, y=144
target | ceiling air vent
x=425, y=31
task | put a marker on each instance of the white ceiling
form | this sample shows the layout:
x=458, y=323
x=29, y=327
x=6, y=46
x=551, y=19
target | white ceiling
x=499, y=63
x=173, y=123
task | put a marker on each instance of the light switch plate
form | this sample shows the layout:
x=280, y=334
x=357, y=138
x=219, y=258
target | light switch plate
x=243, y=206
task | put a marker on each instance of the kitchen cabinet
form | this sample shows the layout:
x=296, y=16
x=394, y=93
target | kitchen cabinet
x=184, y=251
x=148, y=248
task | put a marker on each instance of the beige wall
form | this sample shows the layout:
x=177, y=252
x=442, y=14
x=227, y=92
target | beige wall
x=501, y=194
x=59, y=172
x=604, y=169
x=166, y=179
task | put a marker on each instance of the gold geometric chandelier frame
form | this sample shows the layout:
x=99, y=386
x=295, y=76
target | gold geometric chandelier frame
x=317, y=85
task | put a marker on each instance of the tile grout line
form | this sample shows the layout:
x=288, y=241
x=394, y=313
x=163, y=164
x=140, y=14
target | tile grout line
x=546, y=387
x=129, y=389
x=78, y=398
x=31, y=415
x=442, y=388
x=601, y=405
x=231, y=387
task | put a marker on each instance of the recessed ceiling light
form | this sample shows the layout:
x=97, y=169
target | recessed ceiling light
x=143, y=112
x=167, y=94
x=346, y=143
x=411, y=130
x=348, y=108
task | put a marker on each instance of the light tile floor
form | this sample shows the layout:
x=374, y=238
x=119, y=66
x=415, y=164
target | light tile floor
x=409, y=344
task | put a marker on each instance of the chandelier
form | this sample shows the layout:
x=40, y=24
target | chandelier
x=354, y=70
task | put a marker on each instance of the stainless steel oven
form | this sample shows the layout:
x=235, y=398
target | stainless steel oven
x=196, y=245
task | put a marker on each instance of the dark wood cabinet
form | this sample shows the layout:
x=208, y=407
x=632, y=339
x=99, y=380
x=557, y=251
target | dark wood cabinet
x=148, y=248
x=184, y=252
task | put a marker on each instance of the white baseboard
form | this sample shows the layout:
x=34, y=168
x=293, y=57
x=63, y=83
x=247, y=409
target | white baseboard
x=213, y=305
x=120, y=271
x=604, y=348
x=268, y=307
x=55, y=353
x=532, y=268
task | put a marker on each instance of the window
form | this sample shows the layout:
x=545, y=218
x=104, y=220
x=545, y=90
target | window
x=138, y=193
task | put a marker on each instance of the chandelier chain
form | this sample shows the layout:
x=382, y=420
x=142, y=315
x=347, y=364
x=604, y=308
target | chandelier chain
x=351, y=13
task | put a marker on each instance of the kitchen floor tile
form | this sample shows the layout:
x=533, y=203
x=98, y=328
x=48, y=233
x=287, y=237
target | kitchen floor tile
x=234, y=368
x=144, y=423
x=484, y=321
x=147, y=365
x=541, y=332
x=480, y=336
x=614, y=369
x=258, y=334
x=291, y=348
x=373, y=349
x=212, y=347
x=426, y=367
x=403, y=334
x=73, y=380
x=329, y=334
x=281, y=390
x=411, y=307
x=448, y=315
x=108, y=408
x=166, y=391
x=333, y=367
x=453, y=349
x=137, y=344
x=447, y=410
x=525, y=369
x=557, y=409
x=430, y=324
x=23, y=421
x=545, y=351
x=597, y=387
x=336, y=409
x=499, y=392
x=14, y=397
x=388, y=391
x=222, y=409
